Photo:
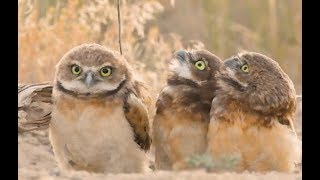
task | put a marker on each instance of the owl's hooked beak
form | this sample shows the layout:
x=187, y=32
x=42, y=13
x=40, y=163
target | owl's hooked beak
x=89, y=79
x=181, y=55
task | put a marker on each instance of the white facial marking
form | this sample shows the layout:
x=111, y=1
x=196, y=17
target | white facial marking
x=231, y=73
x=81, y=87
x=181, y=69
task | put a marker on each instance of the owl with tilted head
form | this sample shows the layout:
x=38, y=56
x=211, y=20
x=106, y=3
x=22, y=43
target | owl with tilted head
x=182, y=110
x=99, y=119
x=252, y=115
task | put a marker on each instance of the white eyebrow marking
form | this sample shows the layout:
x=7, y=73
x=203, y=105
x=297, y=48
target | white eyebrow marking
x=76, y=63
x=181, y=69
x=231, y=73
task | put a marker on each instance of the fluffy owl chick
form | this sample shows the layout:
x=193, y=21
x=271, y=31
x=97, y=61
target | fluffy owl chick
x=182, y=117
x=252, y=115
x=99, y=121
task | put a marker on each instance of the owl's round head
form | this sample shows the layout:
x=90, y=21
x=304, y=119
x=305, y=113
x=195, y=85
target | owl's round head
x=257, y=81
x=91, y=70
x=197, y=67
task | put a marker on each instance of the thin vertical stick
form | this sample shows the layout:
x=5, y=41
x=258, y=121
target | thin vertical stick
x=119, y=22
x=273, y=24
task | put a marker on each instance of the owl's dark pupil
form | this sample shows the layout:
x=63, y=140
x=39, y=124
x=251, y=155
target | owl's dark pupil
x=105, y=71
x=76, y=69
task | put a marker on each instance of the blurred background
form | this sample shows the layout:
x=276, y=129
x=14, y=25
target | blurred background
x=153, y=29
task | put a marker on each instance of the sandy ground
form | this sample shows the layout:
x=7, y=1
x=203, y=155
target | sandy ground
x=36, y=161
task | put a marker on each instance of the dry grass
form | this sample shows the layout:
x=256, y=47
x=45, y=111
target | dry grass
x=43, y=39
x=49, y=28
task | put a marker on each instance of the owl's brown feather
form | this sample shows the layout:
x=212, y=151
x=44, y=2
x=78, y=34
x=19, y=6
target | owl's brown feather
x=99, y=122
x=143, y=92
x=252, y=115
x=175, y=124
x=182, y=110
x=261, y=145
x=137, y=115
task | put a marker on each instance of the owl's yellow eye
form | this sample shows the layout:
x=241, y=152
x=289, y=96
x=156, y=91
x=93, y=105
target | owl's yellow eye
x=200, y=65
x=245, y=68
x=75, y=69
x=105, y=71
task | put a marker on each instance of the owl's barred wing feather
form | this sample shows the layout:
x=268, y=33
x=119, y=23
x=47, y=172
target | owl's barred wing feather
x=137, y=116
x=143, y=92
x=34, y=106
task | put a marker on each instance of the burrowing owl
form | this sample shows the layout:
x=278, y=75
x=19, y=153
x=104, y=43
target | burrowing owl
x=99, y=118
x=182, y=117
x=252, y=115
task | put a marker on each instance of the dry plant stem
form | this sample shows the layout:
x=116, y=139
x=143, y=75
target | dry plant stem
x=119, y=22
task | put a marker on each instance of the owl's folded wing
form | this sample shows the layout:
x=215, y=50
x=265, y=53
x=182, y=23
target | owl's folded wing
x=137, y=116
x=289, y=123
x=144, y=93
